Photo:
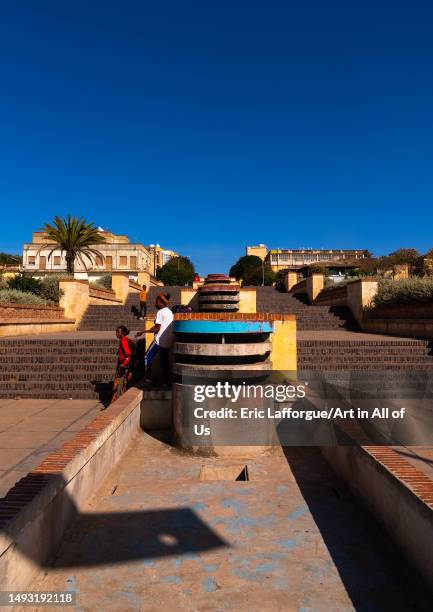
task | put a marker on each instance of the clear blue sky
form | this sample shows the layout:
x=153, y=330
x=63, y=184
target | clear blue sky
x=206, y=126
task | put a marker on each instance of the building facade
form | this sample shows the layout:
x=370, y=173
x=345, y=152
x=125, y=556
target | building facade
x=259, y=251
x=118, y=255
x=159, y=256
x=280, y=259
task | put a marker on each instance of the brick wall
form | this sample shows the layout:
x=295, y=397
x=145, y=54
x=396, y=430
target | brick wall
x=9, y=312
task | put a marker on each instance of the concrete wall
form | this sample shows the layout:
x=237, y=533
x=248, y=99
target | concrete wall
x=388, y=486
x=36, y=512
x=283, y=355
x=78, y=294
x=360, y=295
x=120, y=285
x=145, y=278
x=156, y=410
x=75, y=298
x=32, y=326
x=247, y=300
x=290, y=280
x=315, y=284
x=189, y=296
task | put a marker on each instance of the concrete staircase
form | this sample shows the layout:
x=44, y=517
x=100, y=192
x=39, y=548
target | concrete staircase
x=308, y=317
x=78, y=368
x=365, y=352
x=107, y=318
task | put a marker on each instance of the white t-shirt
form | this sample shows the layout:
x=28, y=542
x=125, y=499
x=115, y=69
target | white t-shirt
x=164, y=337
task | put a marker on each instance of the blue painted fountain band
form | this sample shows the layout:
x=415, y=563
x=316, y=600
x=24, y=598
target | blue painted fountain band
x=222, y=327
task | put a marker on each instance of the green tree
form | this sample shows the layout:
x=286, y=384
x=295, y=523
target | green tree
x=74, y=237
x=245, y=265
x=252, y=269
x=402, y=256
x=256, y=276
x=177, y=271
x=7, y=258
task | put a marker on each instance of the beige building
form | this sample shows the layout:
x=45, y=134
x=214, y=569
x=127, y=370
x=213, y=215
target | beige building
x=159, y=256
x=279, y=259
x=259, y=251
x=118, y=255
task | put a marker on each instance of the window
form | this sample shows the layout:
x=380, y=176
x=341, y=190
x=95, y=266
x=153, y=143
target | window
x=32, y=260
x=42, y=263
x=133, y=262
x=109, y=262
x=123, y=261
x=57, y=260
x=99, y=260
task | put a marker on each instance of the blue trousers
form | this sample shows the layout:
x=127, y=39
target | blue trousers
x=164, y=357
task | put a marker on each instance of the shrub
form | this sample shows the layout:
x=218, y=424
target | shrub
x=104, y=282
x=49, y=289
x=329, y=282
x=97, y=285
x=316, y=269
x=405, y=291
x=21, y=297
x=25, y=283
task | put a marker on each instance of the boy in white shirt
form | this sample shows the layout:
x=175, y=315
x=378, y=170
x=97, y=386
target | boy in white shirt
x=163, y=330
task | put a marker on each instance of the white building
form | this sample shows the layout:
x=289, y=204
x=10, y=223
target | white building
x=118, y=255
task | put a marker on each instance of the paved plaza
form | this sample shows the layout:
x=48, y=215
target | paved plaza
x=31, y=429
x=157, y=537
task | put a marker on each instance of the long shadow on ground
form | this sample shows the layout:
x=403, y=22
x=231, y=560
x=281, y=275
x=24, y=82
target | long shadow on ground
x=376, y=577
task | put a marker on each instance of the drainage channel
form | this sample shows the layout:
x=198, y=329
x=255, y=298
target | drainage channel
x=227, y=472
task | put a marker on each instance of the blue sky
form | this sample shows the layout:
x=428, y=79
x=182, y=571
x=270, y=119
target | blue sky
x=206, y=126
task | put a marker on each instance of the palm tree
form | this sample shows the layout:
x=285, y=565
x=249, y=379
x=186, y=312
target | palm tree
x=75, y=237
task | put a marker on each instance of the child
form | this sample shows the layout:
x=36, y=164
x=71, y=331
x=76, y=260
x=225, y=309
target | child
x=124, y=355
x=143, y=302
x=163, y=336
